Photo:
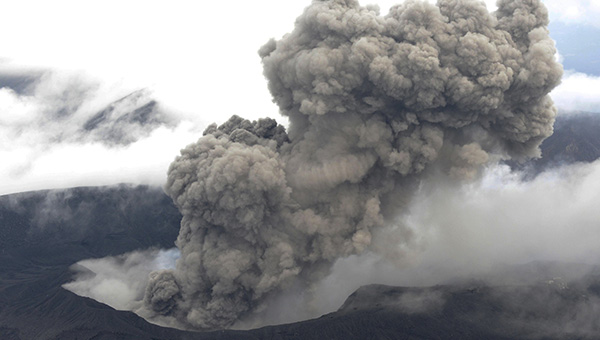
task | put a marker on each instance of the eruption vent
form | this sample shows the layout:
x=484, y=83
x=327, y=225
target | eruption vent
x=373, y=103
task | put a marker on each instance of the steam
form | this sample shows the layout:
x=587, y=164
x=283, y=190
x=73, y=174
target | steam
x=376, y=104
x=119, y=281
x=578, y=92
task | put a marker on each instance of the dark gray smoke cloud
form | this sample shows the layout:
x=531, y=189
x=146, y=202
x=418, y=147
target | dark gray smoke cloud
x=375, y=104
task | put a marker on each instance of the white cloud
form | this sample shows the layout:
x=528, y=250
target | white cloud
x=577, y=92
x=574, y=11
x=74, y=164
x=120, y=281
x=474, y=230
x=502, y=219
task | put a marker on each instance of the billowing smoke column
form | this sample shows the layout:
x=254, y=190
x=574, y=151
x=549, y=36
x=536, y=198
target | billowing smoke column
x=373, y=102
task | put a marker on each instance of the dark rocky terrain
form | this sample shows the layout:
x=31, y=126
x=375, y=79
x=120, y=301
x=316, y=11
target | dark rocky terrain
x=576, y=138
x=43, y=233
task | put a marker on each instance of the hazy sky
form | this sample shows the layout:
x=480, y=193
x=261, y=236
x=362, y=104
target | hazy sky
x=62, y=62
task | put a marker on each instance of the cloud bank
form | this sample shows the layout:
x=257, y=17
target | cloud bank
x=64, y=129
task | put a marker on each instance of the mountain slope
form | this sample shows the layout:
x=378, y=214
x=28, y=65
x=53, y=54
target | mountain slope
x=43, y=233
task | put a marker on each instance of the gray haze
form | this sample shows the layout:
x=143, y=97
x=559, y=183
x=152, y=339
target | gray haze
x=119, y=281
x=376, y=104
x=65, y=129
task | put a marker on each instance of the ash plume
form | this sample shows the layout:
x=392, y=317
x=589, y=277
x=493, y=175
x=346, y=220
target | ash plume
x=375, y=105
